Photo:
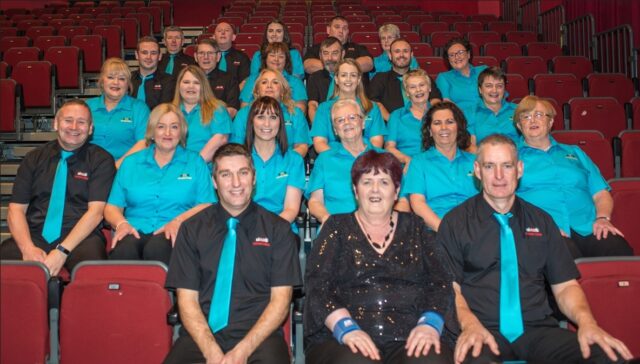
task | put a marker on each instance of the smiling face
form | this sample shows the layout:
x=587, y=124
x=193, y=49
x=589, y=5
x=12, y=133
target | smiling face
x=276, y=61
x=458, y=57
x=348, y=122
x=535, y=124
x=73, y=125
x=190, y=89
x=400, y=53
x=347, y=78
x=115, y=85
x=376, y=193
x=167, y=132
x=498, y=168
x=418, y=89
x=269, y=85
x=339, y=29
x=492, y=90
x=266, y=125
x=207, y=57
x=444, y=129
x=148, y=56
x=275, y=33
x=173, y=41
x=234, y=180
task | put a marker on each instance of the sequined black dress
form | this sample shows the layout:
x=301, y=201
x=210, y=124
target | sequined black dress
x=385, y=294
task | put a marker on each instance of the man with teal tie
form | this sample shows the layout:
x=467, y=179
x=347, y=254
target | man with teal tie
x=148, y=83
x=175, y=59
x=232, y=61
x=234, y=267
x=59, y=194
x=503, y=250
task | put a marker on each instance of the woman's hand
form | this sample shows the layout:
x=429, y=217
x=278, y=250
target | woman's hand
x=170, y=230
x=122, y=231
x=421, y=339
x=360, y=341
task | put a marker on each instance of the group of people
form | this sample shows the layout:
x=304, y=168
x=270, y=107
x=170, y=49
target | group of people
x=199, y=163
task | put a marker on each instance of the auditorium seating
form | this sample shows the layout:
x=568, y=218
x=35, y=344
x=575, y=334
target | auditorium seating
x=558, y=86
x=616, y=85
x=501, y=50
x=600, y=113
x=546, y=50
x=630, y=153
x=45, y=42
x=594, y=144
x=10, y=102
x=576, y=65
x=527, y=66
x=18, y=54
x=37, y=80
x=93, y=51
x=68, y=63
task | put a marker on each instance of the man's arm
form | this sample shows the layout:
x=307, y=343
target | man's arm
x=139, y=145
x=312, y=65
x=383, y=111
x=273, y=316
x=19, y=228
x=313, y=106
x=365, y=63
x=573, y=303
x=196, y=325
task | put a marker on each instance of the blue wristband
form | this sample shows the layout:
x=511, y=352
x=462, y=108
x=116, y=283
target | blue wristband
x=432, y=319
x=343, y=327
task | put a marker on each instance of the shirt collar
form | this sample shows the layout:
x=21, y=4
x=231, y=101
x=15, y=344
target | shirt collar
x=180, y=155
x=126, y=103
x=485, y=211
x=434, y=153
x=472, y=72
x=245, y=218
x=196, y=109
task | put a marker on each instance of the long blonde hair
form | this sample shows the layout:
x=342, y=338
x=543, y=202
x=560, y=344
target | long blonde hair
x=367, y=105
x=208, y=101
x=286, y=89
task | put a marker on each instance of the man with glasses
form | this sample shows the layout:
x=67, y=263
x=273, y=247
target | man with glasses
x=149, y=83
x=174, y=60
x=223, y=85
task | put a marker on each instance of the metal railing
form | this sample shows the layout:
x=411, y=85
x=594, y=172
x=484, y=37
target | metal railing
x=613, y=51
x=528, y=15
x=510, y=10
x=550, y=25
x=577, y=35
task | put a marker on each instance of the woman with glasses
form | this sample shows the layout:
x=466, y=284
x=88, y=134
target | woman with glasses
x=348, y=86
x=460, y=83
x=562, y=180
x=441, y=177
x=276, y=31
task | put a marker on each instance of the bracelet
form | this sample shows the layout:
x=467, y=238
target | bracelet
x=120, y=223
x=64, y=250
x=343, y=327
x=432, y=319
x=603, y=217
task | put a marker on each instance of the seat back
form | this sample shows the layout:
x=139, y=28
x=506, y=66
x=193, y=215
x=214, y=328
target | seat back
x=611, y=84
x=112, y=35
x=630, y=153
x=465, y=27
x=577, y=65
x=115, y=312
x=480, y=38
x=558, y=86
x=527, y=66
x=521, y=37
x=11, y=41
x=18, y=54
x=37, y=31
x=24, y=327
x=594, y=144
x=92, y=51
x=502, y=50
x=626, y=199
x=130, y=31
x=73, y=30
x=502, y=27
x=598, y=113
x=45, y=42
x=36, y=78
x=516, y=86
x=145, y=22
x=612, y=287
x=68, y=62
x=635, y=112
x=440, y=39
x=546, y=50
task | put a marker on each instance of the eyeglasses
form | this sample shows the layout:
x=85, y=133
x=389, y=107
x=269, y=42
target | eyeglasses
x=457, y=54
x=206, y=54
x=352, y=118
x=538, y=115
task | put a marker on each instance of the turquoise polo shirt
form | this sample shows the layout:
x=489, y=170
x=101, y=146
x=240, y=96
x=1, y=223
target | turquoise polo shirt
x=382, y=63
x=152, y=196
x=461, y=89
x=295, y=125
x=322, y=126
x=562, y=182
x=297, y=67
x=274, y=175
x=199, y=134
x=298, y=91
x=445, y=184
x=332, y=174
x=119, y=129
x=483, y=122
x=406, y=131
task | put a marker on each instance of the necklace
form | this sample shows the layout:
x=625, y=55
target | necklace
x=386, y=237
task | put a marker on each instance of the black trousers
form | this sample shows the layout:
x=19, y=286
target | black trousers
x=331, y=352
x=91, y=248
x=589, y=246
x=549, y=345
x=148, y=247
x=272, y=351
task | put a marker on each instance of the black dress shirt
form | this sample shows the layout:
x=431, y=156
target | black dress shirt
x=318, y=85
x=266, y=256
x=238, y=64
x=387, y=89
x=180, y=61
x=471, y=235
x=90, y=172
x=158, y=89
x=225, y=87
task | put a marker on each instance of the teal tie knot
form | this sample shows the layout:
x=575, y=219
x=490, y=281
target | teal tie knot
x=503, y=219
x=64, y=155
x=232, y=223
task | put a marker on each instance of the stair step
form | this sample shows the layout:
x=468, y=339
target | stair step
x=3, y=212
x=40, y=136
x=9, y=169
x=6, y=188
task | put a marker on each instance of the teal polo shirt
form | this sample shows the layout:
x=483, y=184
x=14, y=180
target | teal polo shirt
x=461, y=89
x=562, y=182
x=199, y=134
x=406, y=131
x=152, y=196
x=445, y=184
x=274, y=175
x=119, y=129
x=484, y=122
x=298, y=91
x=332, y=174
x=382, y=63
x=295, y=125
x=322, y=126
x=297, y=67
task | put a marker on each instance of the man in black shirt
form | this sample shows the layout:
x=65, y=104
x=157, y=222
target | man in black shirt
x=90, y=171
x=174, y=60
x=150, y=84
x=338, y=27
x=232, y=61
x=527, y=239
x=386, y=87
x=265, y=270
x=318, y=84
x=223, y=85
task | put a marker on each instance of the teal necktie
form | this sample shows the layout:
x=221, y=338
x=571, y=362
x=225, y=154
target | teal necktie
x=141, y=92
x=55, y=211
x=169, y=69
x=511, y=326
x=331, y=84
x=223, y=61
x=221, y=300
x=405, y=98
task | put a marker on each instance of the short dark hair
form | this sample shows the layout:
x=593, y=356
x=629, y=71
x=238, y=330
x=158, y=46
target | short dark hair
x=337, y=17
x=231, y=150
x=378, y=163
x=463, y=138
x=494, y=72
x=147, y=39
x=209, y=42
x=79, y=102
x=400, y=40
x=453, y=41
x=329, y=41
x=276, y=47
x=260, y=106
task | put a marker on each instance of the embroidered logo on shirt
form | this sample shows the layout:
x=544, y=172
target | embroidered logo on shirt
x=236, y=63
x=261, y=242
x=470, y=174
x=157, y=86
x=351, y=49
x=219, y=87
x=571, y=156
x=126, y=119
x=282, y=174
x=183, y=176
x=532, y=231
x=81, y=175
